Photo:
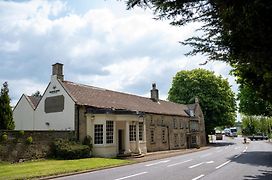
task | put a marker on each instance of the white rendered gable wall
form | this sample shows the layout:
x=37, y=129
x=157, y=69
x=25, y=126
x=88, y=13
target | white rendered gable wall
x=23, y=115
x=64, y=120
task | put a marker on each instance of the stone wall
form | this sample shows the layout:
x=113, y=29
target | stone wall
x=16, y=149
x=166, y=132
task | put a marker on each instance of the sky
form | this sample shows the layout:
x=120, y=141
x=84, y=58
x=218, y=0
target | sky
x=100, y=43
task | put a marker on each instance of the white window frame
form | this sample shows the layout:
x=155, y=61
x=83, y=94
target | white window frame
x=132, y=132
x=141, y=131
x=97, y=140
x=109, y=132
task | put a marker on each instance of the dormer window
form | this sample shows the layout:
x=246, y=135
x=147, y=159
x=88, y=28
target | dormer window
x=192, y=113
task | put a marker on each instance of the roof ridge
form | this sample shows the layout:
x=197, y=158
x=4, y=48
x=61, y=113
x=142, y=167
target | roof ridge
x=104, y=89
x=34, y=100
x=29, y=101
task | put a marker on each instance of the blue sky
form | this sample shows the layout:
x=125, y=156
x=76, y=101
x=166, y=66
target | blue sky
x=99, y=42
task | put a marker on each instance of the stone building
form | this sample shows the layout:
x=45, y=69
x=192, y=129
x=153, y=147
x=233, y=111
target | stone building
x=118, y=123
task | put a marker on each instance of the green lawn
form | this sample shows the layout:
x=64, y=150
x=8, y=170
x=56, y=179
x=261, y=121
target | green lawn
x=40, y=168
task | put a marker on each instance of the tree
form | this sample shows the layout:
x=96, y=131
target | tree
x=234, y=31
x=6, y=119
x=37, y=94
x=250, y=125
x=251, y=104
x=256, y=124
x=215, y=95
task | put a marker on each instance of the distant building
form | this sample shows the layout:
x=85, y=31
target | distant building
x=118, y=123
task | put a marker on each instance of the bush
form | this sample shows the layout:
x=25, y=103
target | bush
x=4, y=137
x=18, y=136
x=64, y=149
x=29, y=140
x=21, y=133
x=88, y=141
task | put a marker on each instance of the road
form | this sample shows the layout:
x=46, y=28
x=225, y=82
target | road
x=228, y=159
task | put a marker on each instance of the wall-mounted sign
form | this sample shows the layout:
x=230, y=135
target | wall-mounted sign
x=54, y=90
x=54, y=104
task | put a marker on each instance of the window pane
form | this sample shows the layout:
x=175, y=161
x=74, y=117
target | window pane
x=193, y=139
x=141, y=130
x=132, y=132
x=109, y=132
x=176, y=140
x=163, y=136
x=98, y=134
x=152, y=136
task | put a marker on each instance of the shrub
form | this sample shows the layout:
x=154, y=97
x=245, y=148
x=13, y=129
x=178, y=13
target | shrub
x=4, y=137
x=65, y=149
x=21, y=133
x=18, y=136
x=88, y=141
x=29, y=140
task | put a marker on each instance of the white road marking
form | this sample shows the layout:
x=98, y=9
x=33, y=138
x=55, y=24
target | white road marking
x=198, y=177
x=209, y=162
x=222, y=165
x=179, y=163
x=157, y=163
x=196, y=165
x=237, y=156
x=205, y=155
x=131, y=176
x=244, y=150
x=236, y=148
x=217, y=147
x=227, y=147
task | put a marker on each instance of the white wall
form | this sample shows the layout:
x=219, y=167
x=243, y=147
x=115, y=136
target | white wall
x=104, y=150
x=23, y=115
x=110, y=150
x=64, y=120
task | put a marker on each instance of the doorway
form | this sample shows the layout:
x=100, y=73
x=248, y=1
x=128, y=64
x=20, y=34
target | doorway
x=121, y=149
x=188, y=142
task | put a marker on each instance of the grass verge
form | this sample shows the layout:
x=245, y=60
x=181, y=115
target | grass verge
x=41, y=168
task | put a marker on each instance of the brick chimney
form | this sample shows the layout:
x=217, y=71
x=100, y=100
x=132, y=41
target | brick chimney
x=57, y=70
x=154, y=93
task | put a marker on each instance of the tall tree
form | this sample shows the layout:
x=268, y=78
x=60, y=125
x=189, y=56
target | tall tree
x=238, y=32
x=6, y=119
x=251, y=104
x=250, y=125
x=256, y=124
x=216, y=97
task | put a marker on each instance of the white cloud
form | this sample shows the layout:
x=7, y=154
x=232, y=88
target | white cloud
x=23, y=86
x=106, y=47
x=9, y=46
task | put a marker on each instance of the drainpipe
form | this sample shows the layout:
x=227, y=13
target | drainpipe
x=77, y=123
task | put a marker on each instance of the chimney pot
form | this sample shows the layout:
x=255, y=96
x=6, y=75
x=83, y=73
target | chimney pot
x=153, y=85
x=154, y=93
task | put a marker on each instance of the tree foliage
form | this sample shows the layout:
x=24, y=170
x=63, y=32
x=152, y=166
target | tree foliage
x=251, y=104
x=256, y=124
x=6, y=119
x=234, y=31
x=216, y=97
x=37, y=94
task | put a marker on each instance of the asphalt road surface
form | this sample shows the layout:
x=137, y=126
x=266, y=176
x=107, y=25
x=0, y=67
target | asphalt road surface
x=228, y=159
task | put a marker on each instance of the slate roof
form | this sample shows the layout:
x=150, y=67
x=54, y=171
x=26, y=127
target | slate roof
x=33, y=100
x=103, y=98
